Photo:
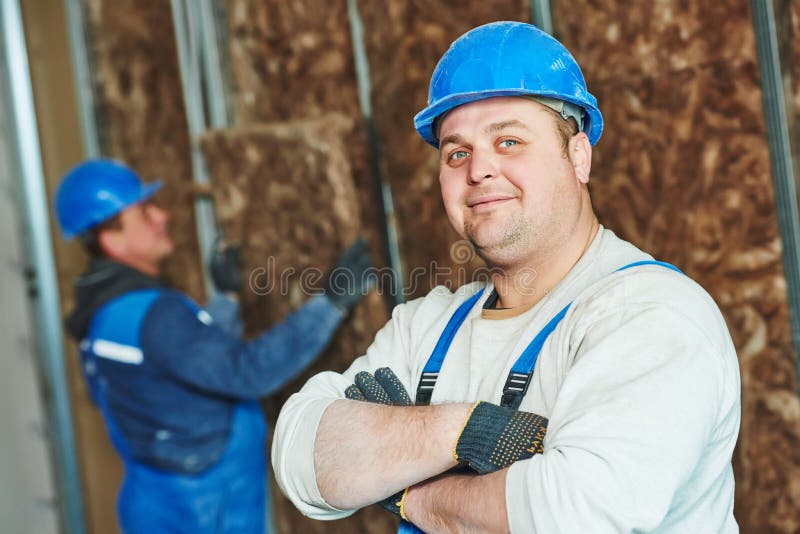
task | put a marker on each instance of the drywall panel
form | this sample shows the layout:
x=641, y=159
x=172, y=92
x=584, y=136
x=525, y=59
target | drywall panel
x=61, y=148
x=285, y=191
x=27, y=483
x=404, y=40
x=30, y=499
x=683, y=171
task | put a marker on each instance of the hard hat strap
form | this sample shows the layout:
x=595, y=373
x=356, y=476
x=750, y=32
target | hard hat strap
x=562, y=107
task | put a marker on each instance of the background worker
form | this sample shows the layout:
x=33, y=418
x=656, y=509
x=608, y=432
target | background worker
x=176, y=384
x=622, y=365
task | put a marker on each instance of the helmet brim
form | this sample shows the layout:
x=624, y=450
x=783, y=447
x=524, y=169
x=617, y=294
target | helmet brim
x=424, y=120
x=150, y=189
x=147, y=192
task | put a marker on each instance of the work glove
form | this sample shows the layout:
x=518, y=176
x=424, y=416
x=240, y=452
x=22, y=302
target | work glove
x=494, y=437
x=382, y=388
x=225, y=267
x=348, y=281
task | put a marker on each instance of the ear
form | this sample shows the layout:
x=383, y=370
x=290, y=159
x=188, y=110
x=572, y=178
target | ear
x=580, y=155
x=111, y=243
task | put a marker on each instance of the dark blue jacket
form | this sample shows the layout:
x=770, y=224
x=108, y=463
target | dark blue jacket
x=171, y=375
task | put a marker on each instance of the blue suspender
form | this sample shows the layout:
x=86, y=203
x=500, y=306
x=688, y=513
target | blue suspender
x=408, y=528
x=518, y=378
x=520, y=375
x=651, y=262
x=431, y=370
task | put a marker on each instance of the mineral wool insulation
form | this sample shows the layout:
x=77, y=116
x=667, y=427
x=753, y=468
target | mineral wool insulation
x=285, y=192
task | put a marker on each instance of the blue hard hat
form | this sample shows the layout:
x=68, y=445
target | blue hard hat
x=506, y=59
x=96, y=190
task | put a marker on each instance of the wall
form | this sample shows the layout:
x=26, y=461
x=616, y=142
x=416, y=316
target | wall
x=286, y=192
x=58, y=125
x=683, y=171
x=141, y=114
x=404, y=41
x=293, y=183
x=139, y=104
x=295, y=61
x=27, y=483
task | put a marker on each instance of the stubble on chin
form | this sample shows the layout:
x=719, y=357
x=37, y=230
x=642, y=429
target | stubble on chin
x=505, y=244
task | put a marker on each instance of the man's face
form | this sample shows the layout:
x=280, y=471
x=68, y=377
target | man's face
x=506, y=184
x=144, y=238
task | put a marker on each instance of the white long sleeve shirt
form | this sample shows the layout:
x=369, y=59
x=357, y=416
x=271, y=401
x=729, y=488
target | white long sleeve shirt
x=640, y=382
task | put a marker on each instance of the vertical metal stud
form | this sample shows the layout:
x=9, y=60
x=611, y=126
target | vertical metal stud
x=83, y=80
x=783, y=173
x=217, y=98
x=542, y=15
x=389, y=227
x=189, y=56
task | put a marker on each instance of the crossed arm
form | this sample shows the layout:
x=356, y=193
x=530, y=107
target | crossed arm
x=631, y=423
x=366, y=452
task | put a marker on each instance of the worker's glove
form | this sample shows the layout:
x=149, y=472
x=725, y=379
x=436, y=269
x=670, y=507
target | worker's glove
x=349, y=280
x=494, y=437
x=382, y=388
x=225, y=267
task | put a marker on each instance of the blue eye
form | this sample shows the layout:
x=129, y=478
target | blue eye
x=506, y=143
x=458, y=154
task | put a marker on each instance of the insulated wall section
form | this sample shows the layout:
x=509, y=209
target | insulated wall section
x=294, y=60
x=683, y=171
x=404, y=40
x=138, y=101
x=285, y=191
x=141, y=114
x=292, y=182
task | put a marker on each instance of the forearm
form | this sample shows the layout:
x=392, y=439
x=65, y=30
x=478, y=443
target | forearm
x=174, y=336
x=365, y=452
x=224, y=309
x=459, y=503
x=289, y=347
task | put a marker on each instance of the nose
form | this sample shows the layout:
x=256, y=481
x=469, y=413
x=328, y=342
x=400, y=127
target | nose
x=482, y=166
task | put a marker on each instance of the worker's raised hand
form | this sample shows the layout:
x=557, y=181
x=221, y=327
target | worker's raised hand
x=494, y=437
x=381, y=388
x=348, y=281
x=225, y=267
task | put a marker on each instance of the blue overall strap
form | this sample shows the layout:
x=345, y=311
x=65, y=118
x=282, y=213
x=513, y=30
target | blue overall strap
x=651, y=262
x=519, y=378
x=408, y=528
x=431, y=370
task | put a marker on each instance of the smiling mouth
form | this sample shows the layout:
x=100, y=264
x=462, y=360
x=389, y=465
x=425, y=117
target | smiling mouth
x=487, y=202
